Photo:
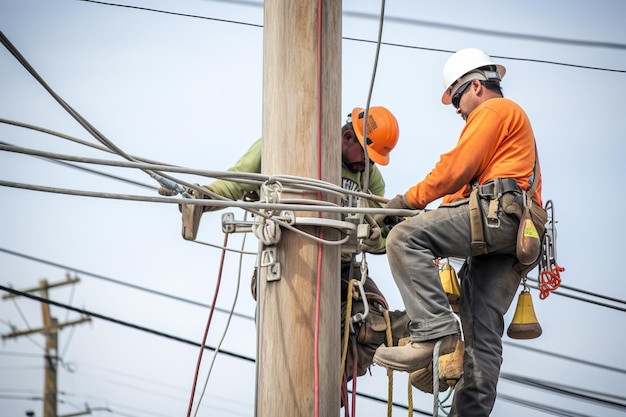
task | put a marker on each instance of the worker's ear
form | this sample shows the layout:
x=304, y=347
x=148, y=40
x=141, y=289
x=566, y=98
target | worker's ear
x=347, y=136
x=477, y=86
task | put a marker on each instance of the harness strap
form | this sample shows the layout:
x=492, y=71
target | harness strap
x=478, y=245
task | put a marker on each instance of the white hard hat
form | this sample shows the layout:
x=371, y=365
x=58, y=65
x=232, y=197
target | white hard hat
x=463, y=66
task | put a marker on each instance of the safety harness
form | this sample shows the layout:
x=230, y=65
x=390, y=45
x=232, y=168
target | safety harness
x=494, y=190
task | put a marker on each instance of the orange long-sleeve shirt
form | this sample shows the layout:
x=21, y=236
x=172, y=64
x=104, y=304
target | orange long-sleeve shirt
x=496, y=142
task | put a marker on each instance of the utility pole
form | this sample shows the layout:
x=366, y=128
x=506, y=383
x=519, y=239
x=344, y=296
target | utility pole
x=297, y=374
x=50, y=330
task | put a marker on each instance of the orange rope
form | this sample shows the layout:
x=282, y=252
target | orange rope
x=549, y=280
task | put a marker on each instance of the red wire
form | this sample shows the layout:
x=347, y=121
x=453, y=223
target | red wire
x=355, y=355
x=208, y=325
x=318, y=286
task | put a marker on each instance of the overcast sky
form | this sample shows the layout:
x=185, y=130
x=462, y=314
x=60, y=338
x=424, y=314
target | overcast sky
x=186, y=89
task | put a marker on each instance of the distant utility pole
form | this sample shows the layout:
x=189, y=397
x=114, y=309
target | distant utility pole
x=297, y=374
x=50, y=330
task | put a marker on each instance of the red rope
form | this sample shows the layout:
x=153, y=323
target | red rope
x=208, y=325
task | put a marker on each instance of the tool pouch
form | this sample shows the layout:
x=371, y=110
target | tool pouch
x=532, y=226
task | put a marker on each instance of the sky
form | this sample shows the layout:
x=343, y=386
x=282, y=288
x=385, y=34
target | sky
x=185, y=88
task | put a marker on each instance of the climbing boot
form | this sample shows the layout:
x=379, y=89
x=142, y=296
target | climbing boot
x=451, y=365
x=450, y=371
x=414, y=355
x=422, y=379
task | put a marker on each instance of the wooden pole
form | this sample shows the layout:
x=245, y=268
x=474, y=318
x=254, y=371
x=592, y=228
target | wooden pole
x=297, y=376
x=50, y=329
x=50, y=384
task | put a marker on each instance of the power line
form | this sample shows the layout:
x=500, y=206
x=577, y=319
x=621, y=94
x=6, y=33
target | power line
x=542, y=407
x=121, y=322
x=91, y=171
x=123, y=283
x=243, y=316
x=248, y=359
x=566, y=390
x=575, y=42
x=569, y=358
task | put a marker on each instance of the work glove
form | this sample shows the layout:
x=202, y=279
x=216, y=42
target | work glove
x=372, y=242
x=397, y=202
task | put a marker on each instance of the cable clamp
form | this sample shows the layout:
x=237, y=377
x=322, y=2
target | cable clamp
x=269, y=261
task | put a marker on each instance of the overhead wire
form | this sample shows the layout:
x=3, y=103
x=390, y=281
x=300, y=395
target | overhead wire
x=240, y=177
x=77, y=116
x=555, y=411
x=247, y=317
x=165, y=335
x=620, y=71
x=118, y=321
x=225, y=175
x=149, y=167
x=584, y=395
x=466, y=29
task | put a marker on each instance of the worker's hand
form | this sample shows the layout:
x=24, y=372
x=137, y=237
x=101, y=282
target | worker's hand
x=372, y=242
x=193, y=194
x=397, y=202
x=166, y=192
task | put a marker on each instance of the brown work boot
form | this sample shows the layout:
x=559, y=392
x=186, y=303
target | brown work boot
x=451, y=365
x=450, y=371
x=422, y=379
x=414, y=355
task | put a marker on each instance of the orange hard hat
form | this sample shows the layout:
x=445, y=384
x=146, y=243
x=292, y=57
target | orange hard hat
x=382, y=132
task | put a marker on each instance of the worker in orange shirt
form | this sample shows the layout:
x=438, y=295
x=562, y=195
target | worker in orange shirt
x=496, y=158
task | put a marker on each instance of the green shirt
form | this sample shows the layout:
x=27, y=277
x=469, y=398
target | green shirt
x=251, y=162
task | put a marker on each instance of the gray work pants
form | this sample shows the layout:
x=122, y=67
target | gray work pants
x=488, y=285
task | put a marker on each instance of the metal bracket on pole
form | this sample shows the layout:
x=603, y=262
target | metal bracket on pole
x=269, y=261
x=229, y=225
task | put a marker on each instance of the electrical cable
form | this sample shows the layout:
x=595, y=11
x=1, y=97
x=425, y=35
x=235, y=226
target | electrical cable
x=569, y=288
x=208, y=325
x=215, y=203
x=122, y=283
x=227, y=326
x=21, y=313
x=238, y=356
x=243, y=316
x=499, y=34
x=366, y=172
x=67, y=313
x=80, y=119
x=542, y=407
x=250, y=206
x=307, y=184
x=117, y=321
x=592, y=396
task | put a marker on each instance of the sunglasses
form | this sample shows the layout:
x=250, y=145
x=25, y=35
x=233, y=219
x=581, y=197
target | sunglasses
x=456, y=98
